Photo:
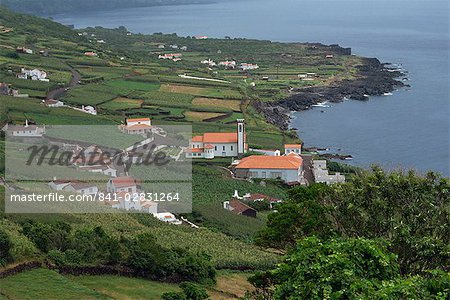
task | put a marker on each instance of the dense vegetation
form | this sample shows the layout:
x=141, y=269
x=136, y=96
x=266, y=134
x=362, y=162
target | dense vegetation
x=397, y=222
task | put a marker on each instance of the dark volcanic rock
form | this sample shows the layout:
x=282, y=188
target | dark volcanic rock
x=374, y=79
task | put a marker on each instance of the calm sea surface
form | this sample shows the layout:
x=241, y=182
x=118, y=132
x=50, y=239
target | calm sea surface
x=409, y=129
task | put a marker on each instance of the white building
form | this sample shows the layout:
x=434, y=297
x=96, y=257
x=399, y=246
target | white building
x=137, y=126
x=53, y=103
x=228, y=64
x=33, y=74
x=168, y=218
x=219, y=144
x=246, y=67
x=88, y=109
x=58, y=184
x=79, y=187
x=293, y=148
x=288, y=168
x=102, y=169
x=130, y=202
x=208, y=62
x=122, y=184
x=321, y=174
x=25, y=130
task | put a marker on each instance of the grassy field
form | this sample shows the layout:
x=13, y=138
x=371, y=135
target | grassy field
x=45, y=284
x=40, y=284
x=234, y=105
x=122, y=103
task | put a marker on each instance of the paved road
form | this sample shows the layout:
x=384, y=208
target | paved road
x=59, y=92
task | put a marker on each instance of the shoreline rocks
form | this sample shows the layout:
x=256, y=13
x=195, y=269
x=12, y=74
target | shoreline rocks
x=374, y=79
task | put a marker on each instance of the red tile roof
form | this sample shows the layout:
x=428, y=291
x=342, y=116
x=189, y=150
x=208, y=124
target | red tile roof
x=124, y=181
x=239, y=207
x=293, y=146
x=271, y=162
x=138, y=120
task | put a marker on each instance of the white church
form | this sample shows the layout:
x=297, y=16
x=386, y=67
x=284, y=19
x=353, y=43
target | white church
x=219, y=144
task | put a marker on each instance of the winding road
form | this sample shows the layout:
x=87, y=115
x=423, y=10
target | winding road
x=57, y=93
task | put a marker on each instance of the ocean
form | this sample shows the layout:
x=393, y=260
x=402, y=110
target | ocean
x=408, y=129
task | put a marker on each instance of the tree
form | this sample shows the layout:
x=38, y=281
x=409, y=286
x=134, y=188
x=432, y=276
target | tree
x=411, y=212
x=295, y=219
x=5, y=248
x=353, y=268
x=190, y=291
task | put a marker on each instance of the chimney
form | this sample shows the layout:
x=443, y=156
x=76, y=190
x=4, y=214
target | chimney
x=26, y=122
x=241, y=136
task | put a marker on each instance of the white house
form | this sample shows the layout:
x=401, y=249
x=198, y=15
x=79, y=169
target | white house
x=25, y=130
x=79, y=187
x=288, y=168
x=168, y=218
x=123, y=184
x=208, y=62
x=53, y=103
x=321, y=174
x=33, y=74
x=88, y=109
x=246, y=67
x=127, y=201
x=103, y=169
x=170, y=56
x=292, y=148
x=137, y=126
x=58, y=184
x=219, y=144
x=228, y=64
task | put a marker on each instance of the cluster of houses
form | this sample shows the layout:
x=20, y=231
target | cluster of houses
x=240, y=205
x=122, y=193
x=230, y=64
x=267, y=164
x=173, y=46
x=34, y=74
x=171, y=56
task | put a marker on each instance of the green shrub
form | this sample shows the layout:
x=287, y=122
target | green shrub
x=5, y=247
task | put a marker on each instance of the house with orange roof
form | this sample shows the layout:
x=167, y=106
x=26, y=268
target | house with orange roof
x=288, y=168
x=293, y=148
x=137, y=126
x=219, y=144
x=123, y=184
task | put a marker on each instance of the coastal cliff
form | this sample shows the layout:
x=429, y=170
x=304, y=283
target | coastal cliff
x=373, y=79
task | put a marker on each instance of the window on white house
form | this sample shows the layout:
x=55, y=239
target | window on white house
x=231, y=147
x=223, y=148
x=215, y=148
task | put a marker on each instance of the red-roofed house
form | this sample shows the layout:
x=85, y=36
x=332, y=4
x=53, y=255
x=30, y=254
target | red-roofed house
x=123, y=184
x=239, y=208
x=219, y=144
x=288, y=168
x=137, y=126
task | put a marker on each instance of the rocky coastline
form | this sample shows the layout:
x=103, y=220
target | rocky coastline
x=374, y=79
